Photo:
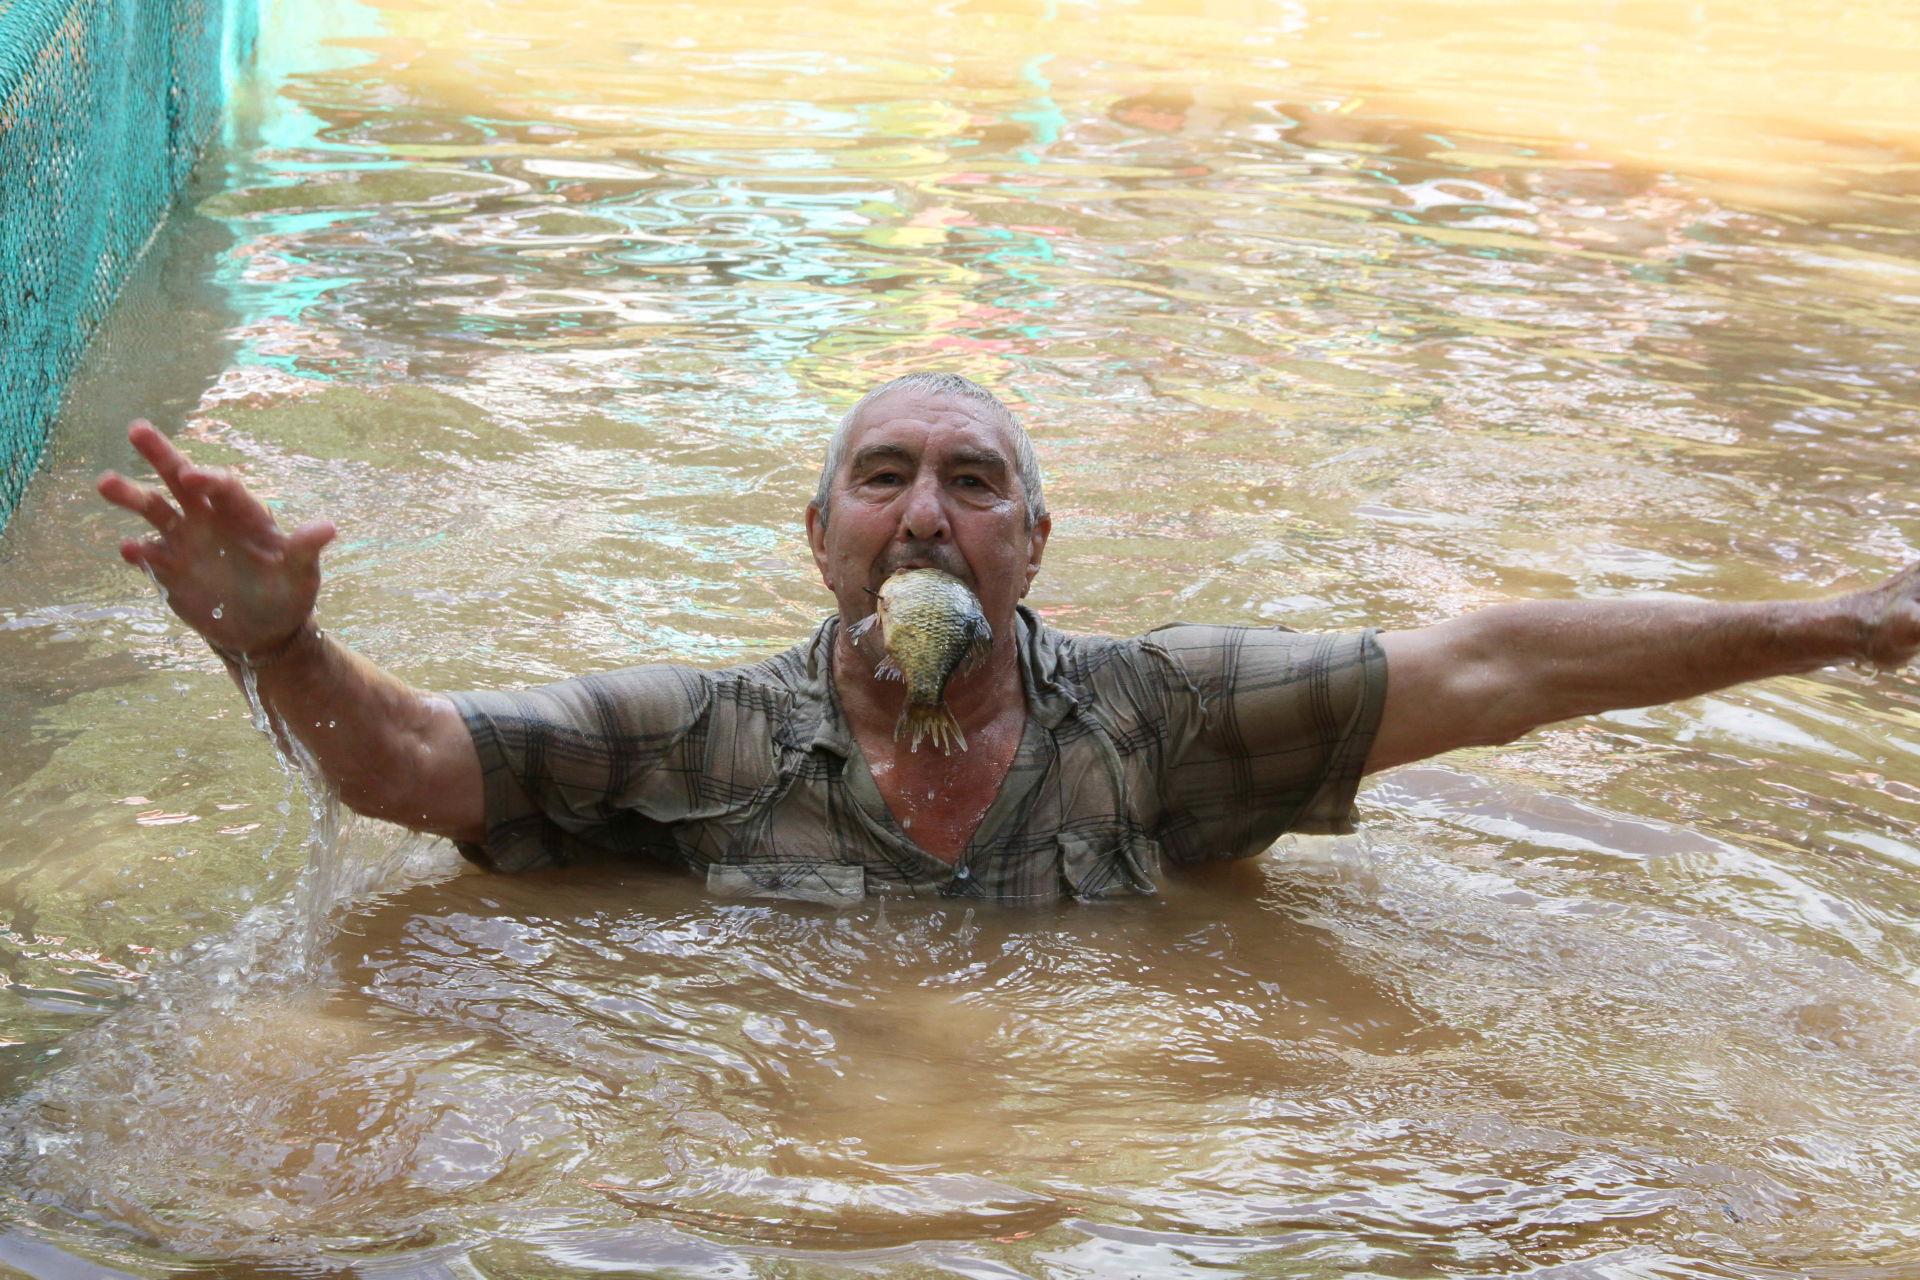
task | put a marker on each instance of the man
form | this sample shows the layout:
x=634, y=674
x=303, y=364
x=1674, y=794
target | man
x=1090, y=760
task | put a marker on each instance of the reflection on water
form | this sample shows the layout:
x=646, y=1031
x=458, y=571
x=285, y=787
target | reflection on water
x=1324, y=314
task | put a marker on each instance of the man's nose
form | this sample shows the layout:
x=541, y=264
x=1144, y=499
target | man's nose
x=923, y=517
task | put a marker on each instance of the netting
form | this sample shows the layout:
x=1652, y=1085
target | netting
x=105, y=105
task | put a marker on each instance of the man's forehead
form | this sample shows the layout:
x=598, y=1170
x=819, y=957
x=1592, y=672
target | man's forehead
x=909, y=413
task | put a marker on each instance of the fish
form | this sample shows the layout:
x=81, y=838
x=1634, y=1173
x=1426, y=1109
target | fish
x=933, y=628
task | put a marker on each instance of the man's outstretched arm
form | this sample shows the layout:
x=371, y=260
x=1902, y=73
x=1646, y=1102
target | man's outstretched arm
x=248, y=588
x=1489, y=677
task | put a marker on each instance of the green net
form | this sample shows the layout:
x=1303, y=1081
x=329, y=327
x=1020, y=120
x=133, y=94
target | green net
x=105, y=105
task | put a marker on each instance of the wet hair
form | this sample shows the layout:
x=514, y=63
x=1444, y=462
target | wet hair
x=1025, y=465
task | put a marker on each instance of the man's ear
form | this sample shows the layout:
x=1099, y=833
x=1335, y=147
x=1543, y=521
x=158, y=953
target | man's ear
x=817, y=540
x=1036, y=548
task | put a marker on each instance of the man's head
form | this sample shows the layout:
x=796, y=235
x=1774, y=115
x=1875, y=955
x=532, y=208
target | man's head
x=1026, y=465
x=929, y=470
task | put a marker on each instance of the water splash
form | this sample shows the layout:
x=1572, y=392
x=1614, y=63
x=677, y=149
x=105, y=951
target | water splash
x=144, y=1119
x=120, y=1119
x=330, y=875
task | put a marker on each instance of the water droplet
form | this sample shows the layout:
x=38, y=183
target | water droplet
x=219, y=611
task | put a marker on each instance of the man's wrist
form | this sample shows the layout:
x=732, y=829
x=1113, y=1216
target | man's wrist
x=304, y=637
x=1821, y=633
x=1859, y=623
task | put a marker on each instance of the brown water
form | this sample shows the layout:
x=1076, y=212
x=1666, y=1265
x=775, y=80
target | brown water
x=1334, y=315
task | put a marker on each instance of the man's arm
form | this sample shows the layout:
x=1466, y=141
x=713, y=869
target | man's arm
x=1489, y=677
x=231, y=574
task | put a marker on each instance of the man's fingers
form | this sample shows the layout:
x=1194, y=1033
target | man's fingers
x=239, y=519
x=304, y=543
x=228, y=499
x=168, y=462
x=147, y=553
x=139, y=499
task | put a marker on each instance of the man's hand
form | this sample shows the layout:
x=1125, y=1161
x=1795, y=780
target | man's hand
x=234, y=577
x=228, y=570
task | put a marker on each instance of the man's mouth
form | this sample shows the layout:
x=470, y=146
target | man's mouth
x=924, y=558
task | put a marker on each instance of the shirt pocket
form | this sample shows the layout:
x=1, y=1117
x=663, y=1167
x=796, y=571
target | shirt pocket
x=1108, y=862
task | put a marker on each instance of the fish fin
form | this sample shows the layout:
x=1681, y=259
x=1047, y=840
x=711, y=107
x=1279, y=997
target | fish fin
x=977, y=650
x=935, y=722
x=889, y=670
x=862, y=627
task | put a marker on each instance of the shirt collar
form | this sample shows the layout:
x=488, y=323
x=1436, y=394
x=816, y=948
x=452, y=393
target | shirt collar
x=815, y=719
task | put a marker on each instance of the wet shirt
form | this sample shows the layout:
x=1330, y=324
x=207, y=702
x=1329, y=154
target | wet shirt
x=1186, y=744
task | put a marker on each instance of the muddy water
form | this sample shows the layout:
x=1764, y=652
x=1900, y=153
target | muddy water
x=1330, y=315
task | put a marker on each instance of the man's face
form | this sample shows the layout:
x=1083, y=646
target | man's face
x=928, y=481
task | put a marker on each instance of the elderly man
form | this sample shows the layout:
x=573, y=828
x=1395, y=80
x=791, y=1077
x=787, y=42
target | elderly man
x=1090, y=760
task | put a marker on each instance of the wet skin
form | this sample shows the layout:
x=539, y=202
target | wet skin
x=928, y=481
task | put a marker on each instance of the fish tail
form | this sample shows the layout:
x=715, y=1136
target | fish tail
x=930, y=721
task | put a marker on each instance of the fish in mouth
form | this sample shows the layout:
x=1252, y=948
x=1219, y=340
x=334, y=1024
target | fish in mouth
x=932, y=628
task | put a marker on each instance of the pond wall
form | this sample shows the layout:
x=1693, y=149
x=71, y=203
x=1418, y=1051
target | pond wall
x=105, y=108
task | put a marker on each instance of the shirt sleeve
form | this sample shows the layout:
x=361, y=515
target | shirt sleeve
x=1267, y=730
x=600, y=762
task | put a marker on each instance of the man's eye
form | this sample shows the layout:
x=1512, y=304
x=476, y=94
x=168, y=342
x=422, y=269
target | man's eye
x=970, y=482
x=884, y=477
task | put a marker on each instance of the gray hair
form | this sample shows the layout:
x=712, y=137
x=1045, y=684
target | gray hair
x=1025, y=465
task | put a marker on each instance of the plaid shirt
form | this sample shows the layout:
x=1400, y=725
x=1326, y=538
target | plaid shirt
x=1188, y=743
